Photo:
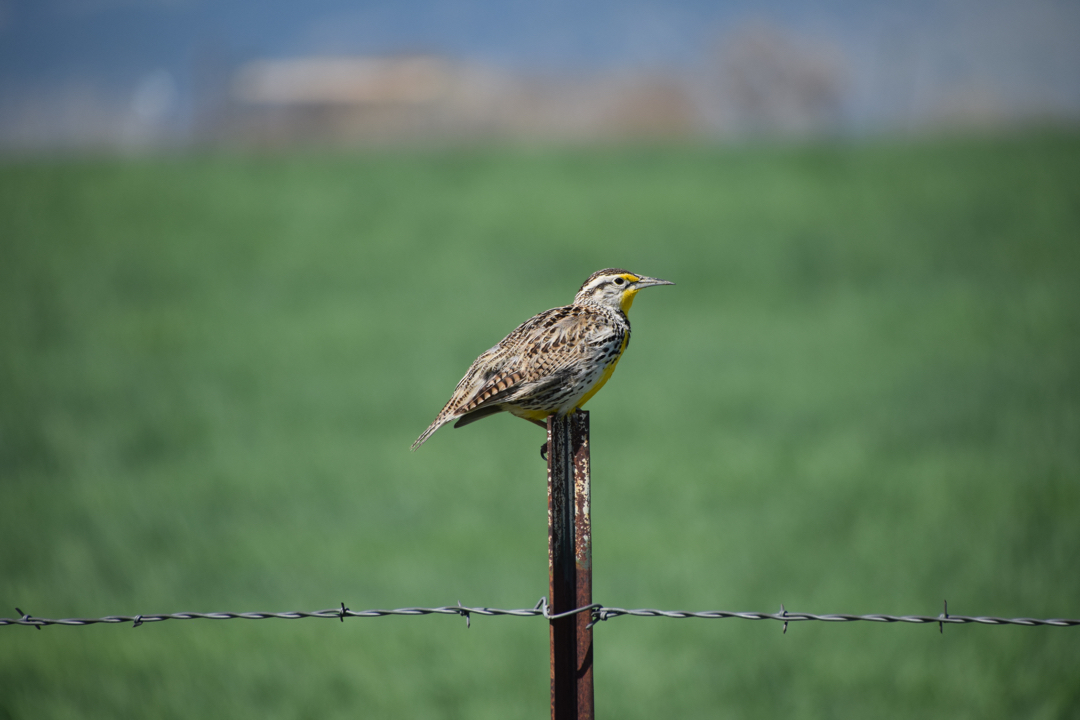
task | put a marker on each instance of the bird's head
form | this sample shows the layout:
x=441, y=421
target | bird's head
x=614, y=288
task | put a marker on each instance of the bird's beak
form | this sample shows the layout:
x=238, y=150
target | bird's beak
x=644, y=282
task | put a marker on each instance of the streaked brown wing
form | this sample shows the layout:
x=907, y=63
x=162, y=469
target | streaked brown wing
x=533, y=352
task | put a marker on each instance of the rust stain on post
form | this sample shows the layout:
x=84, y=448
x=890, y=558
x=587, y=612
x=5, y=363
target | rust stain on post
x=570, y=566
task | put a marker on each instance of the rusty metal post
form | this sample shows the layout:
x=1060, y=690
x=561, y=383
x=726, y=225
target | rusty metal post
x=570, y=566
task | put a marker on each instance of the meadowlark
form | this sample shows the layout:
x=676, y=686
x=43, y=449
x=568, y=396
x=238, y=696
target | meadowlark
x=554, y=362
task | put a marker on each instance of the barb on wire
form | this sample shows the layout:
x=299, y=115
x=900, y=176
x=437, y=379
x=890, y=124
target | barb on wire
x=26, y=619
x=598, y=613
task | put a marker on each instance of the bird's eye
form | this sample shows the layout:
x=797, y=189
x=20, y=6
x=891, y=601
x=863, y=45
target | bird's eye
x=619, y=281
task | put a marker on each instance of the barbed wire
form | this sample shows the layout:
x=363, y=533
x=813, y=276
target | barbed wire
x=598, y=613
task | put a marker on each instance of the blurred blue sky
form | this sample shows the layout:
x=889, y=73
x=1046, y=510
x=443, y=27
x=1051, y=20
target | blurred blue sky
x=1026, y=51
x=51, y=39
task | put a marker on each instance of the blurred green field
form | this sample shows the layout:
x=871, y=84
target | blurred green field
x=862, y=396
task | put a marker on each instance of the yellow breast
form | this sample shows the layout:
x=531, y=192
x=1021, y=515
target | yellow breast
x=607, y=374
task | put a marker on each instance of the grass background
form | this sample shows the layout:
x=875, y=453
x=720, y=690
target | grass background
x=862, y=395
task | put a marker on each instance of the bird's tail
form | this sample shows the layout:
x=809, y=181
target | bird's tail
x=438, y=423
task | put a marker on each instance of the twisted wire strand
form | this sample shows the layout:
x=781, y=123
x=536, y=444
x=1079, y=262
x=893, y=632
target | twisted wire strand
x=788, y=616
x=598, y=613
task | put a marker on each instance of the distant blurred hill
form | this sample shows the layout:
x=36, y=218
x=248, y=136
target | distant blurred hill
x=138, y=74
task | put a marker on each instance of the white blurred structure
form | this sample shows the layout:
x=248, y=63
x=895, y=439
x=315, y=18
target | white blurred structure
x=366, y=99
x=153, y=104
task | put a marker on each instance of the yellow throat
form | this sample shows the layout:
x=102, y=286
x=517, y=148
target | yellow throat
x=628, y=296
